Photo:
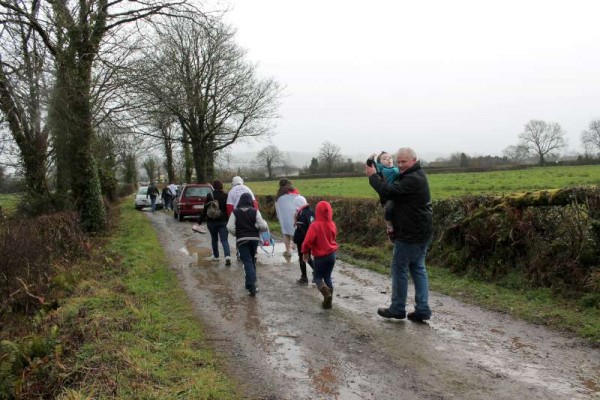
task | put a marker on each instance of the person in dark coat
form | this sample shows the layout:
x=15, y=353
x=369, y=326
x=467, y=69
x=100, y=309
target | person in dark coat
x=166, y=196
x=413, y=230
x=246, y=223
x=152, y=193
x=305, y=215
x=217, y=226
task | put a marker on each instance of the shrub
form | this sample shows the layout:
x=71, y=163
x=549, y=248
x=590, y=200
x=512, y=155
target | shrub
x=28, y=249
x=545, y=239
x=549, y=238
x=126, y=189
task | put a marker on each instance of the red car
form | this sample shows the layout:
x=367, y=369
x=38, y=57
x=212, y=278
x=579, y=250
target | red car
x=191, y=199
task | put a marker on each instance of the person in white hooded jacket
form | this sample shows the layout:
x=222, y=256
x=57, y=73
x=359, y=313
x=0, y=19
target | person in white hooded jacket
x=237, y=189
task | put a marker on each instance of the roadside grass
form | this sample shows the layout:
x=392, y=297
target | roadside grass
x=445, y=185
x=8, y=202
x=142, y=338
x=539, y=306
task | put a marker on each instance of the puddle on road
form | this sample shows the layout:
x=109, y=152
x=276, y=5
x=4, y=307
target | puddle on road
x=320, y=372
x=316, y=373
x=192, y=247
x=331, y=372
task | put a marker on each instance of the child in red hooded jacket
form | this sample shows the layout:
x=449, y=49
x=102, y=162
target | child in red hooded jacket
x=320, y=242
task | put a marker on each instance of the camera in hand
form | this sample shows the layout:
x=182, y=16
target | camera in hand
x=370, y=162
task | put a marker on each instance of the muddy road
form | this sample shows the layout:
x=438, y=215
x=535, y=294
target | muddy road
x=282, y=345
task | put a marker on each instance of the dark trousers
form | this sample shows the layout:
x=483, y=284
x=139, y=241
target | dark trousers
x=247, y=252
x=153, y=203
x=323, y=269
x=218, y=230
x=301, y=261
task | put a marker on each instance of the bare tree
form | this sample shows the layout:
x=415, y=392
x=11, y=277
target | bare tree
x=199, y=75
x=150, y=167
x=73, y=32
x=591, y=137
x=517, y=153
x=269, y=157
x=329, y=154
x=23, y=96
x=542, y=139
x=130, y=169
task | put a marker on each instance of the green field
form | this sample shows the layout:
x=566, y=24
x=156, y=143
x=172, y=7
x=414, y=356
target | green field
x=8, y=202
x=452, y=184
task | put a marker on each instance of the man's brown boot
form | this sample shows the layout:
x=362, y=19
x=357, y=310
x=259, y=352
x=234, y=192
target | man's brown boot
x=327, y=297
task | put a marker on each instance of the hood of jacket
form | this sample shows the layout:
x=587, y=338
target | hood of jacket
x=323, y=212
x=245, y=201
x=237, y=180
x=299, y=202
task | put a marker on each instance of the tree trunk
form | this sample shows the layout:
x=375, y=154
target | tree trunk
x=58, y=115
x=210, y=166
x=85, y=182
x=187, y=158
x=169, y=159
x=34, y=162
x=28, y=136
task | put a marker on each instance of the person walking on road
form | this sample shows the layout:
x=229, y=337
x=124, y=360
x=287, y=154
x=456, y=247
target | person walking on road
x=285, y=210
x=216, y=222
x=320, y=242
x=237, y=190
x=413, y=230
x=305, y=215
x=166, y=196
x=173, y=190
x=246, y=223
x=152, y=193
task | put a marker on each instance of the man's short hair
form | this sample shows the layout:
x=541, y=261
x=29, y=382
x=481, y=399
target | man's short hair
x=407, y=150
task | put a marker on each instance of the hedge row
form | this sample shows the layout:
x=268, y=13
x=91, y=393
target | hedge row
x=551, y=239
x=30, y=250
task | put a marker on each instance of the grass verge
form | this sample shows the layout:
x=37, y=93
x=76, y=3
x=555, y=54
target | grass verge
x=539, y=306
x=8, y=203
x=139, y=337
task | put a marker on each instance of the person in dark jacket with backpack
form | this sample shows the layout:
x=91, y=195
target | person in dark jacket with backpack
x=246, y=223
x=413, y=230
x=152, y=192
x=305, y=215
x=215, y=216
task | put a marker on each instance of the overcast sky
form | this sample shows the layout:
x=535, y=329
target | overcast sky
x=438, y=76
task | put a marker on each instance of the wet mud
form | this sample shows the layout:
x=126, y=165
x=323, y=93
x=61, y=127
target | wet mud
x=282, y=345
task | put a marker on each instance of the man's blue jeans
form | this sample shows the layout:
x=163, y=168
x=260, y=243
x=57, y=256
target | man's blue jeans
x=153, y=203
x=410, y=257
x=247, y=252
x=218, y=230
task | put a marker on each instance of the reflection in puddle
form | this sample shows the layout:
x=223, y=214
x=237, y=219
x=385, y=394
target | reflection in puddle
x=288, y=350
x=452, y=333
x=530, y=373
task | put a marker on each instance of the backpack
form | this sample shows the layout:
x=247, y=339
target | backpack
x=212, y=210
x=305, y=217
